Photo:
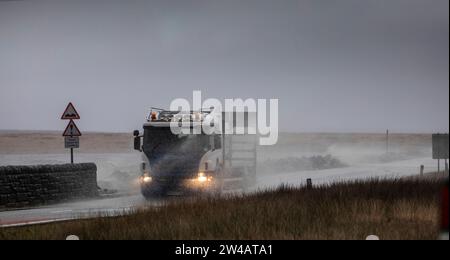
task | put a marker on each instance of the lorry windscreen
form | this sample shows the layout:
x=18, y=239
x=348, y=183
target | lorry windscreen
x=160, y=142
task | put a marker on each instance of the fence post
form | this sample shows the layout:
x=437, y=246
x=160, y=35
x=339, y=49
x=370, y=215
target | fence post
x=309, y=184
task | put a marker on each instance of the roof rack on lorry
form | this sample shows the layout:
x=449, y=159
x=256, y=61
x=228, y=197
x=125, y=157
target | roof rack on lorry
x=161, y=115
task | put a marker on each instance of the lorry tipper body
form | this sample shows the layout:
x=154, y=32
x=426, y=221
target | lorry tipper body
x=183, y=164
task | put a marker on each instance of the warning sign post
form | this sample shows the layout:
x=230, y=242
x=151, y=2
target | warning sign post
x=72, y=129
x=70, y=113
x=71, y=133
x=71, y=142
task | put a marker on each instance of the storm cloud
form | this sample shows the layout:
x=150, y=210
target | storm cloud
x=336, y=66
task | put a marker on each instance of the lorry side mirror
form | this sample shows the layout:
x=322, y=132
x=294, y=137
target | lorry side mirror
x=137, y=143
x=137, y=140
x=212, y=145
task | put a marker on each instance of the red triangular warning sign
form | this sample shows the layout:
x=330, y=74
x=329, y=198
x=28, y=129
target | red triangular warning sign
x=70, y=113
x=72, y=129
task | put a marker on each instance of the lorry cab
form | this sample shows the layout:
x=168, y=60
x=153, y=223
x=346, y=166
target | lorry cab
x=182, y=164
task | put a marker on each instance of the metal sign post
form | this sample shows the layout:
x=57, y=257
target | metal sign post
x=440, y=149
x=71, y=142
x=72, y=133
x=439, y=165
x=387, y=141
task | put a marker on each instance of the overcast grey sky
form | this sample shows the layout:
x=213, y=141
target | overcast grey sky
x=347, y=65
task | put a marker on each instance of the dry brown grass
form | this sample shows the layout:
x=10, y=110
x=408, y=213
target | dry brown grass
x=400, y=209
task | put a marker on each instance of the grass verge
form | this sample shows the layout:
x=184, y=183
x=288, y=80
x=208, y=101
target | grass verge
x=390, y=209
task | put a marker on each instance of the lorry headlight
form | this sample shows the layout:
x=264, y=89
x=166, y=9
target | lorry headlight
x=146, y=178
x=202, y=178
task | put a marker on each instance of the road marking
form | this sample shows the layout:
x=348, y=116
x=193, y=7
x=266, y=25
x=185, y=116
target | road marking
x=35, y=222
x=62, y=211
x=82, y=214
